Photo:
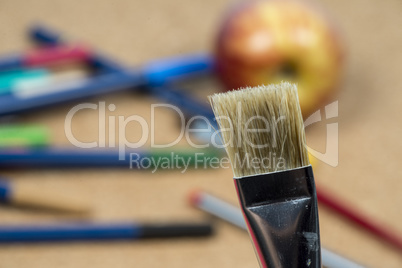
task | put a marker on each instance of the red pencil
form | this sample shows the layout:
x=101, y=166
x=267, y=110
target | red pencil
x=376, y=228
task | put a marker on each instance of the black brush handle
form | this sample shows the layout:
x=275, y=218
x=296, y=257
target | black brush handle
x=282, y=217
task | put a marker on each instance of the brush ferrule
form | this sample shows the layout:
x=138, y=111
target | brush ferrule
x=281, y=212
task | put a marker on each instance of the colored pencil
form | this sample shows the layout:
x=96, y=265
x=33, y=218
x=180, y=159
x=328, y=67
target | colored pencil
x=86, y=158
x=100, y=231
x=373, y=226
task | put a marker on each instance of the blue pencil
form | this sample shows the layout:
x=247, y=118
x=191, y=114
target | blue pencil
x=86, y=158
x=97, y=231
x=48, y=157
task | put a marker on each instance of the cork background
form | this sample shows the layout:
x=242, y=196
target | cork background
x=368, y=176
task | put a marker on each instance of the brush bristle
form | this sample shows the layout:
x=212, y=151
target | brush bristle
x=262, y=128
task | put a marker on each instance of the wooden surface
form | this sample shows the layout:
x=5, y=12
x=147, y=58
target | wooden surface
x=368, y=176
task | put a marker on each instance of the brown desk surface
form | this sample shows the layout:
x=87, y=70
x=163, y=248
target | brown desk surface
x=368, y=175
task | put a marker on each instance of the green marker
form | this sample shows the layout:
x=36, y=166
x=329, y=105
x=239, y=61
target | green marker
x=23, y=136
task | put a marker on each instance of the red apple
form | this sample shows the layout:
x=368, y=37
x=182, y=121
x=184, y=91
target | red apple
x=264, y=42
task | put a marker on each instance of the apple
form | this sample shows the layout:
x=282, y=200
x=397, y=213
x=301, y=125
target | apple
x=269, y=41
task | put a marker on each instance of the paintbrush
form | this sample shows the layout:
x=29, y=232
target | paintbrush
x=263, y=133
